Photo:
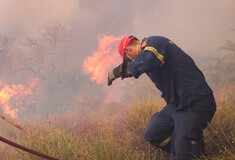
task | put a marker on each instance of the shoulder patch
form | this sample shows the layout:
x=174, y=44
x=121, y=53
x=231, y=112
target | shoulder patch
x=144, y=43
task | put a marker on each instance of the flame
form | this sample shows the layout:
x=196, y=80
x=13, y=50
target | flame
x=14, y=91
x=32, y=82
x=98, y=64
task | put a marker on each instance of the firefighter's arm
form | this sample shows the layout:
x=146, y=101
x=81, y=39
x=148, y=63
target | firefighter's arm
x=147, y=60
x=119, y=71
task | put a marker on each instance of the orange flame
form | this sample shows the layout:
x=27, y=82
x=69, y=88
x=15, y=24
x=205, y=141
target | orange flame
x=7, y=92
x=99, y=63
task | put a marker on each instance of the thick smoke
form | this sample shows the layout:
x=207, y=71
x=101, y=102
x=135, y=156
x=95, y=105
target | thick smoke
x=198, y=27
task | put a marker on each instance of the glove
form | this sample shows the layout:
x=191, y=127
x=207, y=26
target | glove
x=119, y=71
x=114, y=74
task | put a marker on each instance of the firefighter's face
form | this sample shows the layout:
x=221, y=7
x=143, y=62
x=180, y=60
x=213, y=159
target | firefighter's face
x=133, y=50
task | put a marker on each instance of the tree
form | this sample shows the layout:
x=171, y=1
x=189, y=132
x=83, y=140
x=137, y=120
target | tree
x=222, y=70
x=50, y=57
x=45, y=54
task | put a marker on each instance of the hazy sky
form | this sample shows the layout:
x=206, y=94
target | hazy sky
x=199, y=26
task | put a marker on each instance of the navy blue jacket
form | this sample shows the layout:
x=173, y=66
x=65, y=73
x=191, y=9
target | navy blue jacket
x=172, y=71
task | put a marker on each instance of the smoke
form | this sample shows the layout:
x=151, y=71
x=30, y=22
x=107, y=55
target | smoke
x=199, y=26
x=95, y=27
x=23, y=18
x=196, y=26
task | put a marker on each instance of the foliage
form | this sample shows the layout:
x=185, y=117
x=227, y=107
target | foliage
x=222, y=70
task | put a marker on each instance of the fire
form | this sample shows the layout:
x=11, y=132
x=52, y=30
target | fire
x=13, y=92
x=99, y=63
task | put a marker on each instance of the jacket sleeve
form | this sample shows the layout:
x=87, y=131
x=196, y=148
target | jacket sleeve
x=147, y=60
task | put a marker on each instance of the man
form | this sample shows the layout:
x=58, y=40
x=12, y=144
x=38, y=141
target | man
x=178, y=127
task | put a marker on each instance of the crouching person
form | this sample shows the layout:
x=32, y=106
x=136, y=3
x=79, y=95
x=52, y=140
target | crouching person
x=190, y=105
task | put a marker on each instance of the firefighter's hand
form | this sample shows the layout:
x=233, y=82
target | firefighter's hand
x=119, y=71
x=114, y=74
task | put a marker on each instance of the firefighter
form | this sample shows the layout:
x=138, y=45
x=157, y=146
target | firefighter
x=190, y=105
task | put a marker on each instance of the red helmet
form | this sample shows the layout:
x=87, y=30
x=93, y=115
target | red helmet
x=123, y=44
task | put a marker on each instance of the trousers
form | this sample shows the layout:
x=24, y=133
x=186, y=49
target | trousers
x=179, y=132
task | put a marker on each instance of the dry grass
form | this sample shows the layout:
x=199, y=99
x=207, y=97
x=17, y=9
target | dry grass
x=122, y=138
x=139, y=113
x=220, y=135
x=48, y=139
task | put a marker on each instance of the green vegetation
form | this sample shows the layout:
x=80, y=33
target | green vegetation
x=121, y=138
